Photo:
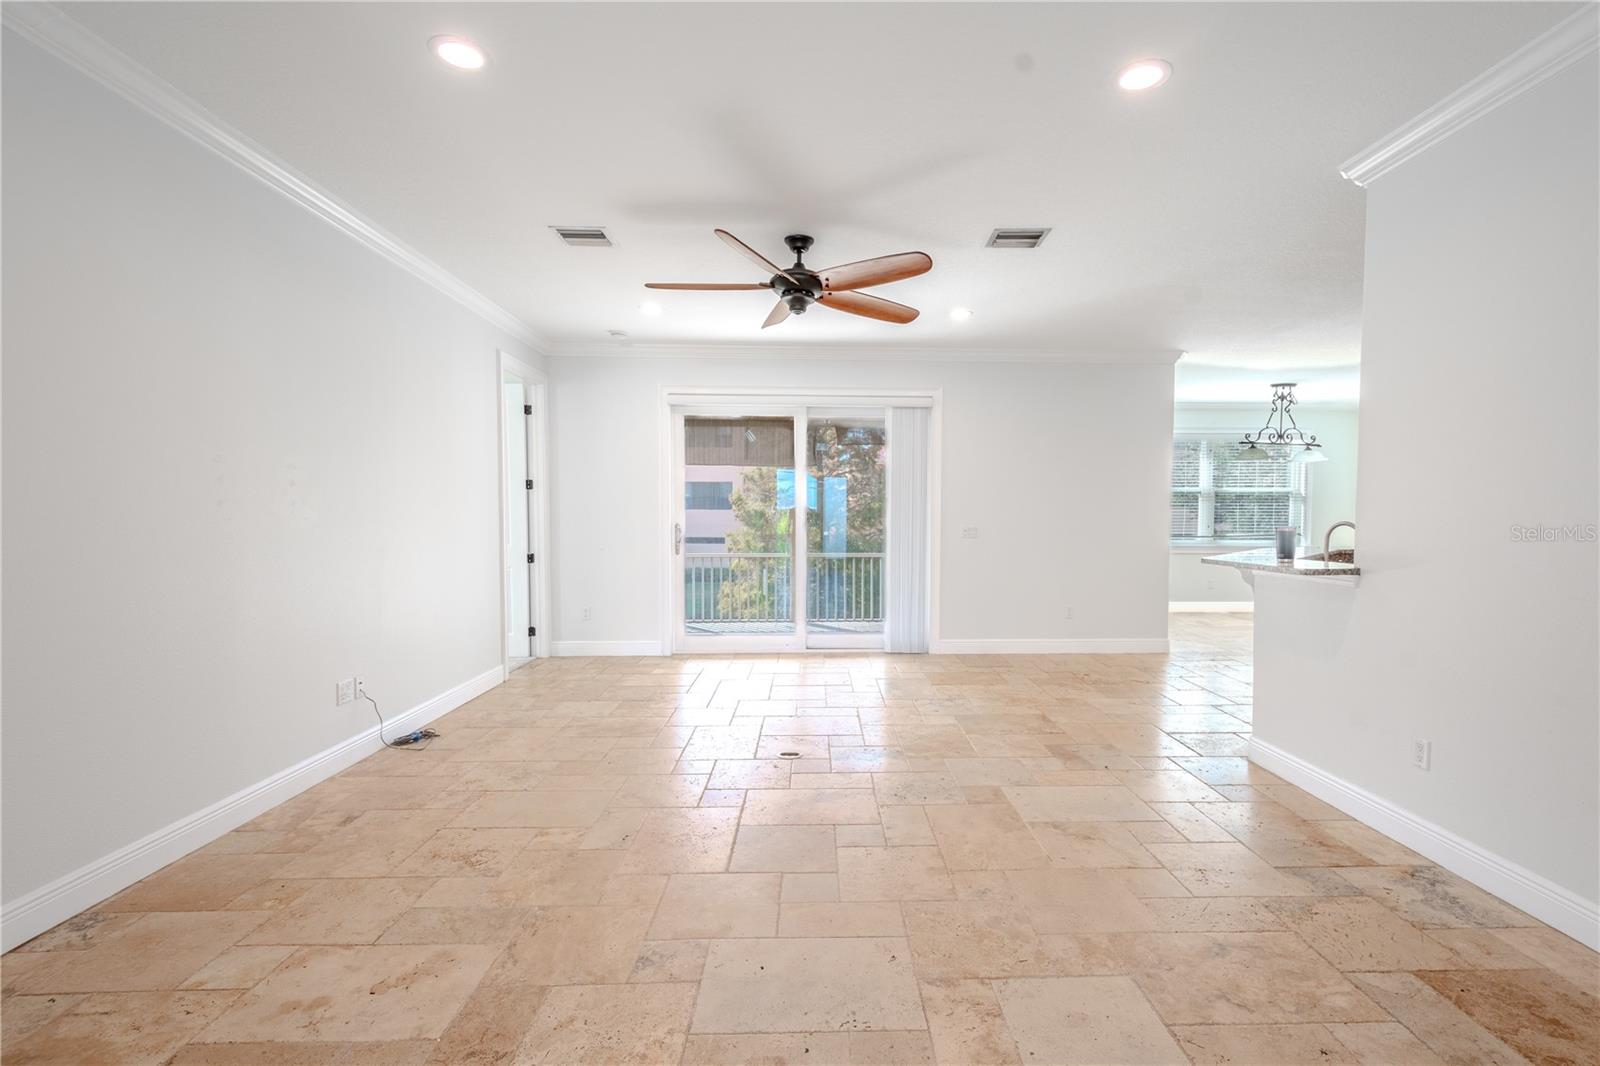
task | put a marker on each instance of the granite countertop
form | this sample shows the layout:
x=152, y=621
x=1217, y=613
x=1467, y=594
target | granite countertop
x=1340, y=565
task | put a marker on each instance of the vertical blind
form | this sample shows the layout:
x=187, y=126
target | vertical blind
x=906, y=624
x=1216, y=495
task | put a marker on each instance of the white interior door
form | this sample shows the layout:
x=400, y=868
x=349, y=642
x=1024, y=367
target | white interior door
x=519, y=536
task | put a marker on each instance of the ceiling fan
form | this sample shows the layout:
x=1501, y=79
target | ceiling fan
x=799, y=286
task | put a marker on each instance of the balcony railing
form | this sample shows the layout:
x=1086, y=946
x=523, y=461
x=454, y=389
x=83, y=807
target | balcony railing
x=753, y=591
x=742, y=587
x=847, y=587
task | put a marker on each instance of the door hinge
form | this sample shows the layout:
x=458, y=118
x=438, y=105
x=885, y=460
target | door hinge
x=527, y=408
x=530, y=557
x=533, y=631
x=528, y=484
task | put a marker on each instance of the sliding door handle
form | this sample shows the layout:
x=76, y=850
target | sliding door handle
x=677, y=539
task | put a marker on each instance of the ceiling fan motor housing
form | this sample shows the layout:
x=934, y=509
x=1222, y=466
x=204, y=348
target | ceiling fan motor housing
x=801, y=286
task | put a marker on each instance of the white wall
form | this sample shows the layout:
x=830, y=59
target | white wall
x=1333, y=490
x=244, y=457
x=1063, y=468
x=1477, y=411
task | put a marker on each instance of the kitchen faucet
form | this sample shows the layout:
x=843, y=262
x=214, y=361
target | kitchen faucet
x=1328, y=537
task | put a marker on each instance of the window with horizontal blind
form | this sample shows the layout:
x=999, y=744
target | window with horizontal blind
x=1218, y=496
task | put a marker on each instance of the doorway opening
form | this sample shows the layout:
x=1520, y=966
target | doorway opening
x=524, y=512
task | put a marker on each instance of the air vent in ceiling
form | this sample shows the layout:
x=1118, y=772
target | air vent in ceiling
x=583, y=236
x=1018, y=238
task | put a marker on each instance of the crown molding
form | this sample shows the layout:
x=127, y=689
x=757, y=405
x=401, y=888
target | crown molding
x=52, y=30
x=1571, y=39
x=862, y=353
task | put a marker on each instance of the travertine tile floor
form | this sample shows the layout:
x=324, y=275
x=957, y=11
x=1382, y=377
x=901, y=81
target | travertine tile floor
x=1054, y=859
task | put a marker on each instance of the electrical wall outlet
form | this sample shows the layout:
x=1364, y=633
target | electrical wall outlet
x=1422, y=754
x=587, y=614
x=361, y=687
x=344, y=692
x=1069, y=614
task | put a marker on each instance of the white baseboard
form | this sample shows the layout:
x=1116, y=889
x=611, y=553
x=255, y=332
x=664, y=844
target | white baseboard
x=606, y=647
x=1210, y=606
x=26, y=917
x=1111, y=645
x=1050, y=646
x=1547, y=901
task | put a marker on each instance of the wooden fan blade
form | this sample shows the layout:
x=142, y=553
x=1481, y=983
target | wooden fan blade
x=879, y=271
x=779, y=313
x=690, y=286
x=754, y=256
x=859, y=303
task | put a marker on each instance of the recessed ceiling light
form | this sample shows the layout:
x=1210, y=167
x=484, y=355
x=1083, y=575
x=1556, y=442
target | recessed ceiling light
x=459, y=52
x=1145, y=74
x=650, y=309
x=960, y=314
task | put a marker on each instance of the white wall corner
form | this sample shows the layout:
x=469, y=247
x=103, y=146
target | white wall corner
x=49, y=28
x=1562, y=45
x=1547, y=901
x=26, y=917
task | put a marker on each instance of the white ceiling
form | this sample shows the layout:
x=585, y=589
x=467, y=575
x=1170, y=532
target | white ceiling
x=1206, y=216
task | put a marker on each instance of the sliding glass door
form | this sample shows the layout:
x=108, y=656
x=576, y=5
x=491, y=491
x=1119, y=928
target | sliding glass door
x=778, y=543
x=738, y=532
x=846, y=486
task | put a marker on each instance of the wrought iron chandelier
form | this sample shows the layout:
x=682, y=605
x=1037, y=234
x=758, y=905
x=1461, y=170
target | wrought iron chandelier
x=1296, y=445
